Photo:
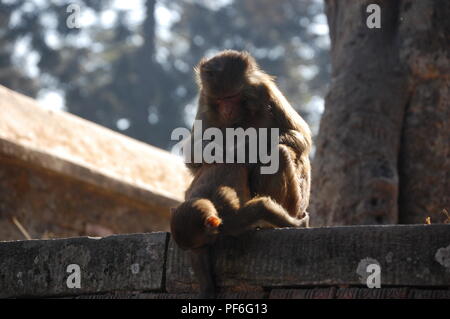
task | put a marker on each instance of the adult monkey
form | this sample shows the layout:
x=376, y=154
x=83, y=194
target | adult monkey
x=236, y=93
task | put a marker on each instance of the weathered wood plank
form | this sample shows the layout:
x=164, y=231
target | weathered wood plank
x=122, y=262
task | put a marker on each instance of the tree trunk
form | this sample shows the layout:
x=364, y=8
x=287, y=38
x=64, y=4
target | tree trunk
x=382, y=152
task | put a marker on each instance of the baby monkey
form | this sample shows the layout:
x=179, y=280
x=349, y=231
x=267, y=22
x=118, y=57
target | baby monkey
x=219, y=202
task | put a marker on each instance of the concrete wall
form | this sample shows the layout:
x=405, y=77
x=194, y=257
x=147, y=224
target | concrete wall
x=64, y=176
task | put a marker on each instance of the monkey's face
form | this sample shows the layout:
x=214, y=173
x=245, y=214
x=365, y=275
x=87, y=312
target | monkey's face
x=223, y=79
x=194, y=224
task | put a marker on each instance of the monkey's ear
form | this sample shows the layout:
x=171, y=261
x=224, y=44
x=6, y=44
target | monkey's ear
x=213, y=221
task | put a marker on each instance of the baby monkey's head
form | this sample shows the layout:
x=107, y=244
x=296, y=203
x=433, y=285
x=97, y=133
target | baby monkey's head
x=195, y=223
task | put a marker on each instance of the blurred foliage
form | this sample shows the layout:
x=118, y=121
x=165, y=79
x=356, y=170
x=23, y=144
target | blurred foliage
x=142, y=71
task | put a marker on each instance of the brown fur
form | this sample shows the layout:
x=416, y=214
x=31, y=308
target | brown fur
x=222, y=191
x=219, y=202
x=258, y=104
x=232, y=198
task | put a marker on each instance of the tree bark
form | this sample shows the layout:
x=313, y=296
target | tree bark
x=382, y=153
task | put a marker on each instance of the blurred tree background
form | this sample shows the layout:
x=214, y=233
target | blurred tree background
x=129, y=65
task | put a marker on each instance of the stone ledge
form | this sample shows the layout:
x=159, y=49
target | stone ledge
x=409, y=255
x=414, y=261
x=115, y=263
